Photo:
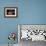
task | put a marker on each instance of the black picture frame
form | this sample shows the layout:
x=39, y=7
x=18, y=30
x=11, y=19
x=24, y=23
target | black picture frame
x=11, y=12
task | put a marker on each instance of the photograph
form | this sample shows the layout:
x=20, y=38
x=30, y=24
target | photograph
x=11, y=12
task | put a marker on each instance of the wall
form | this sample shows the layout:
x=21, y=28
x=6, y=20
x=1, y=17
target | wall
x=7, y=25
x=29, y=12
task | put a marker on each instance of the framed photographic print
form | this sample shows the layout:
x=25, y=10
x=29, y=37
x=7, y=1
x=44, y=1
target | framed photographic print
x=10, y=12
